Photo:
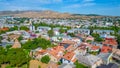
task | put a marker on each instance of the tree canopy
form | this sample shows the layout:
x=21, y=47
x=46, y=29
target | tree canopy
x=14, y=57
x=45, y=59
x=97, y=37
x=24, y=28
x=50, y=33
x=37, y=42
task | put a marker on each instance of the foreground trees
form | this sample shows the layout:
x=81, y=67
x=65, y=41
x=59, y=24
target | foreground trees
x=13, y=57
x=45, y=59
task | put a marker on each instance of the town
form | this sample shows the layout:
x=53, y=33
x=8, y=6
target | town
x=89, y=42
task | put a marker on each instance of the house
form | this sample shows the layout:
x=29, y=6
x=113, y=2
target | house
x=103, y=31
x=60, y=38
x=38, y=53
x=77, y=40
x=25, y=34
x=43, y=28
x=111, y=42
x=106, y=49
x=106, y=57
x=89, y=60
x=57, y=38
x=71, y=47
x=82, y=49
x=69, y=58
x=81, y=31
x=16, y=44
x=56, y=53
x=66, y=66
x=95, y=48
x=89, y=38
x=116, y=56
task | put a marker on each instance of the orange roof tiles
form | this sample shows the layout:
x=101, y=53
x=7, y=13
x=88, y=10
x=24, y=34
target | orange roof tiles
x=69, y=47
x=4, y=29
x=55, y=51
x=95, y=47
x=68, y=42
x=106, y=49
x=110, y=41
x=69, y=56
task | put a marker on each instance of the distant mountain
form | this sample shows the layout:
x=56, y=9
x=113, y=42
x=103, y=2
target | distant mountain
x=45, y=14
x=15, y=12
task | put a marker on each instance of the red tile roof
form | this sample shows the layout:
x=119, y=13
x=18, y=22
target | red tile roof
x=95, y=47
x=106, y=49
x=110, y=41
x=55, y=51
x=69, y=56
x=4, y=29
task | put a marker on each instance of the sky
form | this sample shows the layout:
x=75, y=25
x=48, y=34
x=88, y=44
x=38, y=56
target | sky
x=102, y=7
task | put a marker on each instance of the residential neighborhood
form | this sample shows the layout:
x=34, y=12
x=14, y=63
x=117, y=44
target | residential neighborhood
x=58, y=43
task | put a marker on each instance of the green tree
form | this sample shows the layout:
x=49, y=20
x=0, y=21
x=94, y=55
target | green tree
x=13, y=28
x=1, y=38
x=71, y=34
x=20, y=38
x=97, y=37
x=45, y=59
x=37, y=42
x=62, y=30
x=14, y=57
x=50, y=33
x=24, y=28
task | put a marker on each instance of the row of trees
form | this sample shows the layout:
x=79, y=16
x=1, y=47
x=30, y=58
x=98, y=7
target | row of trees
x=37, y=42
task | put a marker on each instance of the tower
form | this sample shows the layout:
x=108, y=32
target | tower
x=31, y=27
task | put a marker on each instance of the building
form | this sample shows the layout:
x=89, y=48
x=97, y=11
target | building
x=106, y=57
x=116, y=56
x=69, y=58
x=89, y=60
x=81, y=31
x=43, y=28
x=111, y=42
x=56, y=53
